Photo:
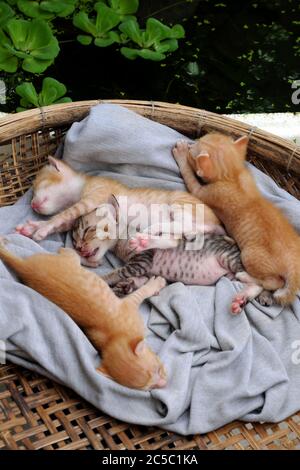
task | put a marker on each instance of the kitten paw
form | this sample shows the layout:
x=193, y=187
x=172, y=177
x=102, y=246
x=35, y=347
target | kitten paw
x=43, y=230
x=181, y=150
x=123, y=288
x=27, y=229
x=266, y=298
x=140, y=242
x=238, y=303
x=89, y=263
x=157, y=283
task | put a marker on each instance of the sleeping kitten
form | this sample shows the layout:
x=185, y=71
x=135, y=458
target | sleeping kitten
x=113, y=326
x=219, y=256
x=58, y=186
x=270, y=247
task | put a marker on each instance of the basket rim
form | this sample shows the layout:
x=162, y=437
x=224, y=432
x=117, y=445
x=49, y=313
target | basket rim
x=263, y=144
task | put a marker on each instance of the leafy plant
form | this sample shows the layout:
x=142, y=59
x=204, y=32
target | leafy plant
x=52, y=93
x=29, y=42
x=100, y=29
x=124, y=7
x=47, y=9
x=6, y=12
x=153, y=42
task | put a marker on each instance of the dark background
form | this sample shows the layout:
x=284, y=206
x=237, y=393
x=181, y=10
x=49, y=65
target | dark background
x=236, y=57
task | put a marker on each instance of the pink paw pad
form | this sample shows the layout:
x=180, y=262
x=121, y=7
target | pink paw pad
x=238, y=304
x=139, y=242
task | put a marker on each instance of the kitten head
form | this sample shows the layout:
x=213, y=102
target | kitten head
x=133, y=364
x=95, y=233
x=56, y=187
x=85, y=240
x=216, y=157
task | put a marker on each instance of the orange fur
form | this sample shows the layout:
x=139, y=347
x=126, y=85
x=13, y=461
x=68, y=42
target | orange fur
x=114, y=326
x=270, y=247
x=58, y=186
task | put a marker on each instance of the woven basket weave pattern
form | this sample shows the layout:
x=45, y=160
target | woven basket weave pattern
x=36, y=413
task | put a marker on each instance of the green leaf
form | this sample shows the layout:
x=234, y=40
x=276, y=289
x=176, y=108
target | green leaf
x=106, y=19
x=169, y=45
x=151, y=55
x=28, y=93
x=100, y=28
x=64, y=100
x=33, y=65
x=40, y=35
x=156, y=31
x=131, y=29
x=82, y=21
x=112, y=37
x=32, y=42
x=8, y=63
x=59, y=8
x=124, y=7
x=5, y=13
x=154, y=42
x=18, y=30
x=144, y=53
x=33, y=10
x=85, y=40
x=52, y=92
x=178, y=31
x=47, y=9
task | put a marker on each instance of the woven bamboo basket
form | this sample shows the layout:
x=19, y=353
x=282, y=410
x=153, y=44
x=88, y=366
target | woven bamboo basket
x=36, y=413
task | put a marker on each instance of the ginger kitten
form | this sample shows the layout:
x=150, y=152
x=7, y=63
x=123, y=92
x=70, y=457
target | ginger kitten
x=59, y=188
x=113, y=325
x=270, y=247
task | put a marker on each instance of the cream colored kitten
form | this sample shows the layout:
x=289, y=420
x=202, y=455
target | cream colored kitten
x=58, y=187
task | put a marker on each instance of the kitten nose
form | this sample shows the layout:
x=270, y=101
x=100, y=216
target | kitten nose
x=35, y=205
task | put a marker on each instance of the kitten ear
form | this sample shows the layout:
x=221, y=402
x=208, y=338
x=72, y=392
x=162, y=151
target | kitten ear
x=103, y=371
x=113, y=201
x=242, y=144
x=138, y=345
x=203, y=153
x=204, y=166
x=54, y=163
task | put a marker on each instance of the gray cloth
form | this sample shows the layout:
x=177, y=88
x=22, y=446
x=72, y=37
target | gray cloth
x=220, y=367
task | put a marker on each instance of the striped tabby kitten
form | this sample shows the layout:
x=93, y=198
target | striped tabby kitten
x=68, y=194
x=219, y=256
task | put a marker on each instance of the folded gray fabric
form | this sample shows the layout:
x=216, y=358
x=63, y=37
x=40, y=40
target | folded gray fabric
x=220, y=367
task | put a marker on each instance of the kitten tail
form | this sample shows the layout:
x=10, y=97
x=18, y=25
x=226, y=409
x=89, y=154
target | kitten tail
x=9, y=258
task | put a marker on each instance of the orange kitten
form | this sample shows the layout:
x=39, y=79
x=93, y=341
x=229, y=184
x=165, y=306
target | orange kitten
x=270, y=247
x=58, y=187
x=113, y=325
